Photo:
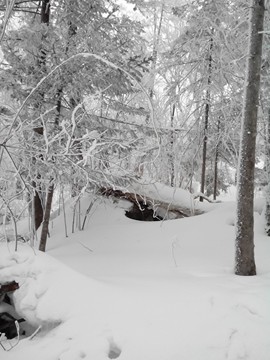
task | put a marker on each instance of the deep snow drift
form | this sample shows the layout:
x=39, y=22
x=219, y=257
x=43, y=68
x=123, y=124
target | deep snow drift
x=133, y=290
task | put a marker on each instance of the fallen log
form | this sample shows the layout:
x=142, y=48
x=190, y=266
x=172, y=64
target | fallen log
x=161, y=210
x=8, y=287
x=201, y=195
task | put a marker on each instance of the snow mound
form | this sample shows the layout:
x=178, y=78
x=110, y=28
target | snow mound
x=174, y=196
x=65, y=305
x=162, y=290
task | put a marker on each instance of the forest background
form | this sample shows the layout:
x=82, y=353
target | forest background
x=111, y=94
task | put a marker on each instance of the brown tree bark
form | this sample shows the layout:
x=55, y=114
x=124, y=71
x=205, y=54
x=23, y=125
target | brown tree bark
x=244, y=255
x=46, y=220
x=37, y=206
x=9, y=287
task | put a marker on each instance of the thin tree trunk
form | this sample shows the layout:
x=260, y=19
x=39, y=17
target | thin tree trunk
x=37, y=206
x=46, y=220
x=244, y=255
x=37, y=200
x=58, y=106
x=267, y=165
x=87, y=213
x=64, y=212
x=72, y=30
x=152, y=73
x=206, y=119
x=171, y=155
x=155, y=51
x=216, y=164
x=45, y=12
x=215, y=174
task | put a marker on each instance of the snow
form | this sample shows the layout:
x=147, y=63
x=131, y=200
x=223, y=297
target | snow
x=141, y=290
x=162, y=192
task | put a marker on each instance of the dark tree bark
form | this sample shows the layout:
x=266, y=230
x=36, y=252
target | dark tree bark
x=45, y=12
x=267, y=165
x=216, y=163
x=9, y=287
x=38, y=206
x=206, y=119
x=37, y=200
x=244, y=256
x=46, y=220
x=171, y=155
x=45, y=224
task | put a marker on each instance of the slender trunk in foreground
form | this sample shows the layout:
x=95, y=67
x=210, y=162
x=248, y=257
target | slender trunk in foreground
x=206, y=118
x=46, y=220
x=267, y=165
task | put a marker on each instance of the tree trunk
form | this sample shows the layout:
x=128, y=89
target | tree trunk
x=37, y=205
x=267, y=165
x=244, y=256
x=171, y=155
x=46, y=220
x=215, y=175
x=157, y=33
x=37, y=200
x=216, y=164
x=45, y=12
x=206, y=119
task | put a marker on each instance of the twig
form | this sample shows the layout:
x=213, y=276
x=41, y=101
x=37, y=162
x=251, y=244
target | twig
x=86, y=247
x=173, y=254
x=87, y=213
x=35, y=333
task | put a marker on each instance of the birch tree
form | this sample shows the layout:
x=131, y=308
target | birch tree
x=244, y=256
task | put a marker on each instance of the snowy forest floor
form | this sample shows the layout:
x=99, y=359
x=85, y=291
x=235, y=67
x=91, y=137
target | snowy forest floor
x=141, y=290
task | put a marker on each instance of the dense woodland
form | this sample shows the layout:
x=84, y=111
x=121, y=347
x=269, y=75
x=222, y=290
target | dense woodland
x=108, y=94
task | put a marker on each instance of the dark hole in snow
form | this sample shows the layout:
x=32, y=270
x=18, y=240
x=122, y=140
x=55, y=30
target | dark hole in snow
x=10, y=325
x=114, y=351
x=142, y=212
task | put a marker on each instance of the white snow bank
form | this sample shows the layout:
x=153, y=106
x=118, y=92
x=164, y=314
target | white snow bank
x=49, y=292
x=163, y=290
x=174, y=196
x=69, y=307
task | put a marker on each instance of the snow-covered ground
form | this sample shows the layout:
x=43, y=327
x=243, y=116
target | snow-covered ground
x=141, y=290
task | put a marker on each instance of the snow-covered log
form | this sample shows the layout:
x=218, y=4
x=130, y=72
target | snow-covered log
x=148, y=208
